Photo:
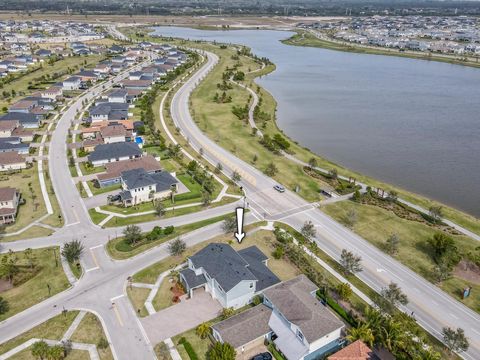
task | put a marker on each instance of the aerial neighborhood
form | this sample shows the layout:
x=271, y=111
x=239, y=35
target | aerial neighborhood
x=152, y=208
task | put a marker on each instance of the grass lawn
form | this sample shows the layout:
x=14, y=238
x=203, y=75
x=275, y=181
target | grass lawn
x=76, y=270
x=97, y=191
x=30, y=233
x=138, y=296
x=34, y=206
x=20, y=85
x=96, y=216
x=119, y=249
x=90, y=331
x=90, y=169
x=35, y=289
x=199, y=345
x=73, y=355
x=54, y=219
x=52, y=329
x=164, y=296
x=118, y=221
x=162, y=352
x=376, y=224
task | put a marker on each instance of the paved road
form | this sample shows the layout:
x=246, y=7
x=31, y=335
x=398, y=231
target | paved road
x=433, y=308
x=102, y=288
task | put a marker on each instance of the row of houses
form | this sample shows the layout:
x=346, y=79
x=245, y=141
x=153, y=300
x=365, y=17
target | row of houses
x=19, y=63
x=290, y=315
x=111, y=138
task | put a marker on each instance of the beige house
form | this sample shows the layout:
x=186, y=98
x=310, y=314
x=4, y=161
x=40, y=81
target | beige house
x=12, y=161
x=9, y=200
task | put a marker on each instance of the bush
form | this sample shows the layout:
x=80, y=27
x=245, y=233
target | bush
x=103, y=343
x=278, y=252
x=338, y=309
x=169, y=230
x=188, y=348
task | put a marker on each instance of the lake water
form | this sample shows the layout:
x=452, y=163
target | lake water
x=412, y=123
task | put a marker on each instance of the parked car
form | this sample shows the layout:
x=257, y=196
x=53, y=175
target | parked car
x=263, y=356
x=279, y=188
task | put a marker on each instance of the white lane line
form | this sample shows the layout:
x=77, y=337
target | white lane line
x=117, y=297
x=454, y=316
x=75, y=223
x=95, y=247
x=92, y=269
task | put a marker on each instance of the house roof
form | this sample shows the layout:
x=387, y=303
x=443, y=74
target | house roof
x=245, y=327
x=11, y=157
x=21, y=117
x=255, y=259
x=137, y=178
x=223, y=264
x=8, y=125
x=355, y=351
x=192, y=279
x=108, y=108
x=113, y=170
x=7, y=193
x=294, y=299
x=118, y=93
x=115, y=150
x=113, y=130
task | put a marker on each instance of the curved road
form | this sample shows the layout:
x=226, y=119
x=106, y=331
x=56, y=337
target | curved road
x=433, y=308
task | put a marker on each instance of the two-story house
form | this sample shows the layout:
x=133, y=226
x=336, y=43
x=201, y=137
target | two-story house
x=299, y=325
x=140, y=186
x=72, y=83
x=9, y=200
x=233, y=278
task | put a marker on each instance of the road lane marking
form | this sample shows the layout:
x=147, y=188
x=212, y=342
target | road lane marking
x=94, y=258
x=117, y=314
x=117, y=297
x=75, y=223
x=95, y=247
x=92, y=269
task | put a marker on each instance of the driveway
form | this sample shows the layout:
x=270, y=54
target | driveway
x=181, y=317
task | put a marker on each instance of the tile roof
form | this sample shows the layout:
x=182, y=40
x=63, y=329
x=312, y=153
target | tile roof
x=113, y=170
x=355, y=351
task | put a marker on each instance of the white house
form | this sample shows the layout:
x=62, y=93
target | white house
x=12, y=161
x=9, y=200
x=233, y=278
x=72, y=83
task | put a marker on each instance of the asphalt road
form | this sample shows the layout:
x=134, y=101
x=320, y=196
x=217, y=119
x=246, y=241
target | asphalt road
x=102, y=288
x=433, y=308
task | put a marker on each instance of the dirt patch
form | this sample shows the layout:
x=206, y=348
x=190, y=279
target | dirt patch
x=5, y=285
x=468, y=271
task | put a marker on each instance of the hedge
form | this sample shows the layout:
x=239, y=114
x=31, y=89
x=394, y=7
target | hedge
x=188, y=348
x=338, y=309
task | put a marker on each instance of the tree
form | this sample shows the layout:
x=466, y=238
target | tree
x=312, y=163
x=55, y=353
x=441, y=272
x=444, y=249
x=73, y=250
x=177, y=247
x=221, y=351
x=351, y=263
x=218, y=168
x=271, y=169
x=227, y=312
x=391, y=297
x=229, y=225
x=392, y=196
x=392, y=244
x=132, y=234
x=206, y=200
x=236, y=177
x=4, y=307
x=203, y=330
x=436, y=213
x=67, y=347
x=344, y=291
x=308, y=230
x=159, y=208
x=455, y=340
x=40, y=350
x=333, y=174
x=362, y=332
x=351, y=218
x=30, y=257
x=9, y=267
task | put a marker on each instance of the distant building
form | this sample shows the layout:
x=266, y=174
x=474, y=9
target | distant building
x=9, y=201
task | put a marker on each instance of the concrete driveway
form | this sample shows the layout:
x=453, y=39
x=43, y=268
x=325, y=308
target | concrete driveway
x=181, y=317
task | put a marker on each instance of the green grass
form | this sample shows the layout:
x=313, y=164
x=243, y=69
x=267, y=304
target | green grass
x=90, y=169
x=76, y=270
x=90, y=331
x=96, y=216
x=119, y=249
x=73, y=355
x=102, y=190
x=31, y=233
x=52, y=329
x=54, y=219
x=138, y=296
x=35, y=289
x=376, y=224
x=20, y=85
x=200, y=346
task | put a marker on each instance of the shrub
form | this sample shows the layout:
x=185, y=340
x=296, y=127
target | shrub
x=169, y=230
x=188, y=348
x=102, y=343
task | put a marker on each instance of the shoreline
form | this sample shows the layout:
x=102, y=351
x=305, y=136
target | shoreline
x=467, y=220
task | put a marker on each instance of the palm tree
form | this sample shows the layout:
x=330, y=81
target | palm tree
x=392, y=335
x=55, y=353
x=362, y=332
x=73, y=250
x=203, y=330
x=40, y=350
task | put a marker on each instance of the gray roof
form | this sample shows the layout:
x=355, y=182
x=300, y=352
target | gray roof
x=21, y=117
x=192, y=279
x=228, y=267
x=137, y=178
x=296, y=300
x=118, y=93
x=108, y=108
x=255, y=259
x=115, y=150
x=245, y=327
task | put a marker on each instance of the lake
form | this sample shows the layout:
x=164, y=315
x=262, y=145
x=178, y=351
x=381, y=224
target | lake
x=412, y=123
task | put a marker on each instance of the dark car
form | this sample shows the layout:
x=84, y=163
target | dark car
x=263, y=356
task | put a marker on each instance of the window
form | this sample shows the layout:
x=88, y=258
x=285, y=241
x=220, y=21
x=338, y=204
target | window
x=300, y=335
x=251, y=285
